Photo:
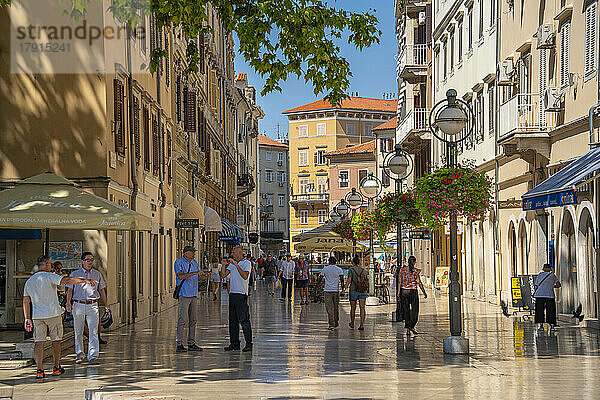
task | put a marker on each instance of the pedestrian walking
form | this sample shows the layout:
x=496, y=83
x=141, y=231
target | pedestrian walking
x=398, y=297
x=286, y=276
x=238, y=270
x=187, y=271
x=43, y=314
x=270, y=274
x=303, y=278
x=545, y=283
x=215, y=277
x=409, y=279
x=252, y=278
x=333, y=276
x=82, y=301
x=358, y=282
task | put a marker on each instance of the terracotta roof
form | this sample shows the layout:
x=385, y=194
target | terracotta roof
x=363, y=148
x=242, y=76
x=390, y=124
x=267, y=141
x=350, y=103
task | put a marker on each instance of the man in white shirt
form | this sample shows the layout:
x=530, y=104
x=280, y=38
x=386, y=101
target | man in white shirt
x=238, y=271
x=333, y=276
x=85, y=308
x=286, y=275
x=46, y=319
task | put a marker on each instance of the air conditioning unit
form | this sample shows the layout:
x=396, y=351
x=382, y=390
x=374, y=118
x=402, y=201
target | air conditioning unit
x=281, y=184
x=553, y=99
x=545, y=36
x=422, y=18
x=264, y=196
x=506, y=72
x=279, y=163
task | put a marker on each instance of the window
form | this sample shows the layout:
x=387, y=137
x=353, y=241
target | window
x=368, y=130
x=303, y=185
x=302, y=158
x=281, y=176
x=268, y=176
x=280, y=157
x=565, y=38
x=303, y=131
x=269, y=199
x=119, y=113
x=282, y=225
x=322, y=215
x=525, y=73
x=321, y=129
x=281, y=200
x=142, y=30
x=146, y=120
x=543, y=81
x=344, y=179
x=480, y=123
x=319, y=157
x=362, y=174
x=451, y=51
x=445, y=59
x=304, y=217
x=437, y=69
x=492, y=13
x=350, y=128
x=270, y=224
x=590, y=39
x=491, y=117
x=470, y=28
x=321, y=184
x=480, y=19
x=268, y=155
x=460, y=40
x=385, y=179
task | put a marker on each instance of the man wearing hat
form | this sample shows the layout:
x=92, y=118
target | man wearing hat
x=187, y=271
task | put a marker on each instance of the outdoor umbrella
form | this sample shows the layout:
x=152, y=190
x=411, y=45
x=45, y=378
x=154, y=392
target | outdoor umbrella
x=325, y=230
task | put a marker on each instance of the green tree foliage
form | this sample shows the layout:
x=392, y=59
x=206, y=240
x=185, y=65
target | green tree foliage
x=278, y=38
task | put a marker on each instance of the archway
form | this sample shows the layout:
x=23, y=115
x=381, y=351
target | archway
x=523, y=249
x=587, y=261
x=567, y=266
x=512, y=250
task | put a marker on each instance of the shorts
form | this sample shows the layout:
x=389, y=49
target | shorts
x=301, y=284
x=215, y=277
x=355, y=296
x=270, y=279
x=52, y=327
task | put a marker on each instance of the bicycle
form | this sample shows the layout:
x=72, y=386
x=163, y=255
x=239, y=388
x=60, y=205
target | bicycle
x=382, y=291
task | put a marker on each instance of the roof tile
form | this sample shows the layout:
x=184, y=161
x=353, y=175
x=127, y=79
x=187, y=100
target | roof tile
x=267, y=141
x=352, y=103
x=363, y=148
x=390, y=124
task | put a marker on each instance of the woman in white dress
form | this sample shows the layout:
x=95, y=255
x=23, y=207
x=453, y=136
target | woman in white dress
x=215, y=279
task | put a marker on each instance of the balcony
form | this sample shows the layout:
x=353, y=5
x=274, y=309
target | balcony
x=524, y=124
x=412, y=63
x=412, y=133
x=266, y=210
x=245, y=185
x=309, y=199
x=272, y=235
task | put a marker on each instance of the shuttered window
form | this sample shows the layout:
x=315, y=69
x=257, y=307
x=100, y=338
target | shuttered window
x=155, y=152
x=491, y=107
x=152, y=32
x=178, y=98
x=189, y=110
x=543, y=83
x=119, y=127
x=169, y=158
x=136, y=129
x=565, y=43
x=590, y=38
x=146, y=120
x=201, y=54
x=161, y=147
x=167, y=62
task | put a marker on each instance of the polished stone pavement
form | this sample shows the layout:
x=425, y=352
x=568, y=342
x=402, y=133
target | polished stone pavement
x=296, y=357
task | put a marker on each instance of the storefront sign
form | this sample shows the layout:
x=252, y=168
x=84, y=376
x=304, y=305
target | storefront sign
x=68, y=253
x=504, y=204
x=550, y=200
x=527, y=290
x=420, y=233
x=515, y=290
x=442, y=277
x=187, y=223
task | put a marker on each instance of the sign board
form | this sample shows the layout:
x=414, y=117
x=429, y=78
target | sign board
x=187, y=223
x=459, y=229
x=442, y=277
x=504, y=204
x=240, y=219
x=515, y=291
x=68, y=253
x=527, y=290
x=420, y=233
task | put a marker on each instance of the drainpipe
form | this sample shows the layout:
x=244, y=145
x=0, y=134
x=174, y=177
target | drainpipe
x=161, y=185
x=133, y=167
x=497, y=265
x=596, y=185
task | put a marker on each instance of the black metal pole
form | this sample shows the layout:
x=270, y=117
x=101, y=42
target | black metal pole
x=454, y=295
x=47, y=242
x=398, y=238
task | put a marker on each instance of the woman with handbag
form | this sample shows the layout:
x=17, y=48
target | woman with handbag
x=545, y=283
x=409, y=278
x=358, y=281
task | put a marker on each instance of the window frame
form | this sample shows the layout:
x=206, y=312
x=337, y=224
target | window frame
x=303, y=217
x=301, y=129
x=268, y=155
x=319, y=126
x=346, y=181
x=303, y=154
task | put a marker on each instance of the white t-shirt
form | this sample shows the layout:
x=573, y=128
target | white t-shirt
x=332, y=275
x=41, y=287
x=288, y=268
x=237, y=284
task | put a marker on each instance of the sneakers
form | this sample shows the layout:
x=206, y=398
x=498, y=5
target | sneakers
x=180, y=349
x=331, y=328
x=231, y=348
x=39, y=374
x=56, y=371
x=193, y=347
x=80, y=360
x=247, y=348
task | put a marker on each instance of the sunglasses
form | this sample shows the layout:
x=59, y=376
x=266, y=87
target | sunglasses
x=88, y=260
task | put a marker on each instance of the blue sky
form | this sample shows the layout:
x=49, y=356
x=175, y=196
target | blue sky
x=373, y=69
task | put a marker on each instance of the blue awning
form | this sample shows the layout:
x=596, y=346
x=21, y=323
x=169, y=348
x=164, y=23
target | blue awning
x=559, y=189
x=20, y=234
x=231, y=233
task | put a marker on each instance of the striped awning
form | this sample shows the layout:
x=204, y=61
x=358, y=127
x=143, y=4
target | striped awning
x=232, y=233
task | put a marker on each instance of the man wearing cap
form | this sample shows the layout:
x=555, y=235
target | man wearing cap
x=187, y=271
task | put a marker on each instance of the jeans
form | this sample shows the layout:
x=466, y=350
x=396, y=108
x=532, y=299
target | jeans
x=410, y=307
x=286, y=283
x=83, y=313
x=187, y=313
x=549, y=304
x=239, y=314
x=332, y=305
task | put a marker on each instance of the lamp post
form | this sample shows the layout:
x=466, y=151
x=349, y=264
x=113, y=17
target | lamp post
x=371, y=187
x=398, y=166
x=450, y=121
x=354, y=200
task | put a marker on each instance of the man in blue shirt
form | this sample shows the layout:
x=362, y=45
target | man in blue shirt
x=187, y=271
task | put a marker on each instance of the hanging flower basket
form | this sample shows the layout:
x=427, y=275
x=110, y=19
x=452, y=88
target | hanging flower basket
x=344, y=229
x=461, y=190
x=399, y=208
x=366, y=222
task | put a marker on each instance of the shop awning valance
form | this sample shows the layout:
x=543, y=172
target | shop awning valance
x=232, y=233
x=321, y=231
x=559, y=189
x=192, y=209
x=212, y=220
x=53, y=202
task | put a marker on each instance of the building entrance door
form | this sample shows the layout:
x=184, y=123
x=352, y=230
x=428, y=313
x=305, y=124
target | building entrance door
x=154, y=265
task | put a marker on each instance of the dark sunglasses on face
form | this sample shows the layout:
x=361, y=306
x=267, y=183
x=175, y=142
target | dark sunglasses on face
x=88, y=260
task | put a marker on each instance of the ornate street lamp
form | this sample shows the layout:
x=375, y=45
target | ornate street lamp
x=451, y=121
x=398, y=165
x=354, y=199
x=371, y=187
x=342, y=209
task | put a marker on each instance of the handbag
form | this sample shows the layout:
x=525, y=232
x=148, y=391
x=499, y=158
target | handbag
x=178, y=287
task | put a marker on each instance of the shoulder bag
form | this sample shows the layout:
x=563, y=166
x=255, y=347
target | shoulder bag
x=178, y=287
x=538, y=286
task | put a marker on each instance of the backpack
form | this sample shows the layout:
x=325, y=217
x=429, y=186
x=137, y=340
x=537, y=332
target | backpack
x=361, y=284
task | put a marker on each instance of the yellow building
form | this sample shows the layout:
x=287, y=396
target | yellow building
x=314, y=129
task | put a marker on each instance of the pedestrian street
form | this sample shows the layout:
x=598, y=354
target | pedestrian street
x=296, y=357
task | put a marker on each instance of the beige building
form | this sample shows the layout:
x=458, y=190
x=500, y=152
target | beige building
x=314, y=129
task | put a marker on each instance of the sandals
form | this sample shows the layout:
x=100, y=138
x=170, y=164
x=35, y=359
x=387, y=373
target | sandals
x=39, y=374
